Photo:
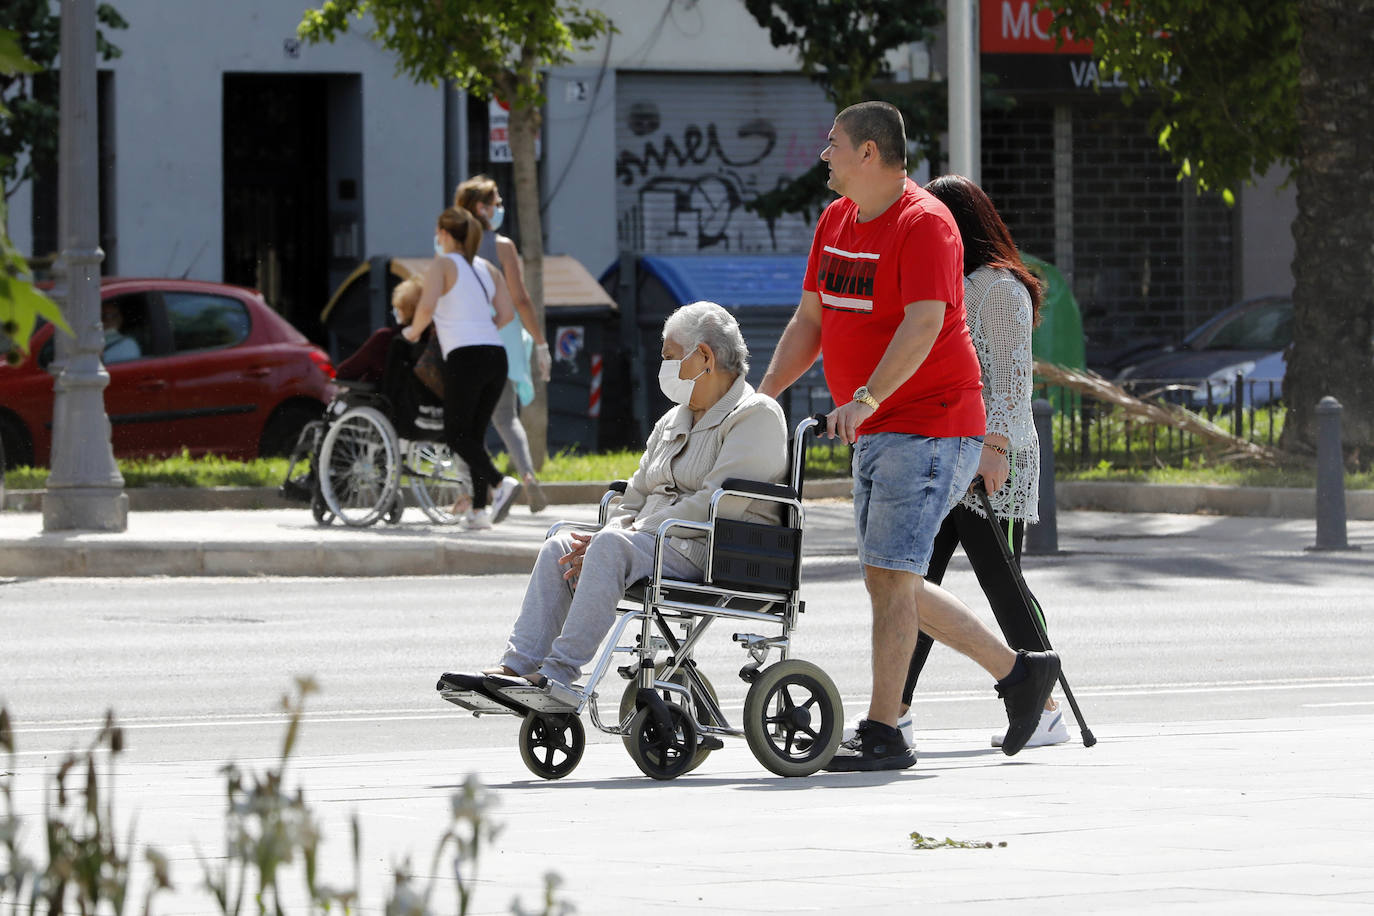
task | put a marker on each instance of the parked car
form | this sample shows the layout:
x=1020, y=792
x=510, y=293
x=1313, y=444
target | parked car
x=1248, y=339
x=203, y=366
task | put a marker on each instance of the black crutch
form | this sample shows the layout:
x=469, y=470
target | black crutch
x=1032, y=607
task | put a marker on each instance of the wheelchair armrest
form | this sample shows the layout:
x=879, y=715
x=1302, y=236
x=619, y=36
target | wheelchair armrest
x=618, y=486
x=614, y=490
x=575, y=526
x=759, y=488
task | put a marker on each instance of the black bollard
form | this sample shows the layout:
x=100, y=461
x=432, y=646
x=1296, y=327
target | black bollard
x=1043, y=538
x=1330, y=478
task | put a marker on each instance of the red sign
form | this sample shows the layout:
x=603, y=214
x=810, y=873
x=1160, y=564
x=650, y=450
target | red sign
x=1017, y=27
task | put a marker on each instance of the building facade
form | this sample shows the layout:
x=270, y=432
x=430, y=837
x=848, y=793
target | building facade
x=232, y=152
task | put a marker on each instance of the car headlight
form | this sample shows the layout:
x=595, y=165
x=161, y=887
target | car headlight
x=1218, y=385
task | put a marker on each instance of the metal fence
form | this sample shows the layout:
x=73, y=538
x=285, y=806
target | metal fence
x=1088, y=433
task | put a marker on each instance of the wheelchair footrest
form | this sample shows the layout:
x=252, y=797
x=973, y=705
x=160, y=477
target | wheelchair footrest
x=540, y=699
x=476, y=702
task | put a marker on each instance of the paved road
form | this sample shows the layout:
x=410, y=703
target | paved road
x=1225, y=670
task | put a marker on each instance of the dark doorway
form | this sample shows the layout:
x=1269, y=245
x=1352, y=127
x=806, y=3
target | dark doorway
x=276, y=211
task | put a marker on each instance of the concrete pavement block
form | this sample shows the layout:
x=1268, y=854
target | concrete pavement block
x=282, y=559
x=104, y=558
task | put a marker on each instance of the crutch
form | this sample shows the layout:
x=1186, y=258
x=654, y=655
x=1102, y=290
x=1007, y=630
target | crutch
x=1032, y=607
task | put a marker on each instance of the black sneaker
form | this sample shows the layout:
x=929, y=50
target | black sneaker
x=1027, y=697
x=875, y=746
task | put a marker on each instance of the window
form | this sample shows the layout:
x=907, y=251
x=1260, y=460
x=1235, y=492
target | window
x=127, y=332
x=204, y=322
x=1268, y=327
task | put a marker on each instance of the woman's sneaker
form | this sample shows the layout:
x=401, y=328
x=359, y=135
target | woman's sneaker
x=875, y=746
x=502, y=498
x=1051, y=730
x=478, y=520
x=535, y=494
x=903, y=725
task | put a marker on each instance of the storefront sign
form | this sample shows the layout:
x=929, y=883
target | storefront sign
x=498, y=132
x=1017, y=27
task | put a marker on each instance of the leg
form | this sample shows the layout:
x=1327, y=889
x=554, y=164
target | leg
x=997, y=578
x=545, y=608
x=506, y=418
x=893, y=594
x=471, y=389
x=615, y=558
x=943, y=550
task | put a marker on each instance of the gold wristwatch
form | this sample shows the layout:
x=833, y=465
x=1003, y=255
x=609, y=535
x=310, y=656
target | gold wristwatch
x=864, y=396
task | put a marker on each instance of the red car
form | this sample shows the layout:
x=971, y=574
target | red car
x=202, y=366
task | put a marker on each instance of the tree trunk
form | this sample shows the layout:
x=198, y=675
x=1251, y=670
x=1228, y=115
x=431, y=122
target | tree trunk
x=524, y=127
x=1333, y=327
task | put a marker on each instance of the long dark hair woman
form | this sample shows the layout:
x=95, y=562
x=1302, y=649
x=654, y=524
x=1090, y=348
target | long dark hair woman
x=1002, y=300
x=466, y=299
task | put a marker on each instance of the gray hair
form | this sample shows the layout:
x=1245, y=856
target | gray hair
x=710, y=324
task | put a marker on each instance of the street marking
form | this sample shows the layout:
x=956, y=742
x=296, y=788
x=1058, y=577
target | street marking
x=1329, y=705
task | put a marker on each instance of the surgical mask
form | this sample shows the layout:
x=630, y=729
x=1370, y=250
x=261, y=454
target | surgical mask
x=678, y=390
x=438, y=246
x=396, y=313
x=497, y=216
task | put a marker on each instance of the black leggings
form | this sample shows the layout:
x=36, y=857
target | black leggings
x=474, y=378
x=965, y=527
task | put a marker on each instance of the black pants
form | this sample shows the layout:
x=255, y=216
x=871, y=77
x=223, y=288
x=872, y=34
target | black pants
x=965, y=527
x=474, y=378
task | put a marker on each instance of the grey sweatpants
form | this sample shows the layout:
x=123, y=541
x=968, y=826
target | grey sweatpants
x=506, y=419
x=560, y=627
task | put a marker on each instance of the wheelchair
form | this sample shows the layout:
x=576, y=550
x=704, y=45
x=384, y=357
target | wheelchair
x=668, y=715
x=373, y=443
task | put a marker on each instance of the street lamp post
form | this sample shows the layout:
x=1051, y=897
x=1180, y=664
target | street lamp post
x=84, y=489
x=965, y=109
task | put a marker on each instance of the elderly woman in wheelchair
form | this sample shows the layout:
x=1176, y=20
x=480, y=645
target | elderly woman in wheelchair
x=719, y=456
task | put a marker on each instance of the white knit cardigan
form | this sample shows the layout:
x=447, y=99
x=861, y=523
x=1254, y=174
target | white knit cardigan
x=998, y=310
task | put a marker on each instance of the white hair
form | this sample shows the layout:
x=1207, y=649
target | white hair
x=710, y=324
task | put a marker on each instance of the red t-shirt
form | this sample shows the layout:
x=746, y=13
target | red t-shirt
x=866, y=274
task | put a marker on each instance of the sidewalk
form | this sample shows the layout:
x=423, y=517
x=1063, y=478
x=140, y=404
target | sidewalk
x=1257, y=816
x=287, y=542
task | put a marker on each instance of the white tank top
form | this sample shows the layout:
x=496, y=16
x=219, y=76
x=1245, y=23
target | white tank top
x=463, y=315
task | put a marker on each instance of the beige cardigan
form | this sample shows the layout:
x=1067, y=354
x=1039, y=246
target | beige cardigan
x=743, y=435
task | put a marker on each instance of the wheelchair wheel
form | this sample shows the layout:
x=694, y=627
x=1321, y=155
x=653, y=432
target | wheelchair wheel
x=397, y=510
x=319, y=510
x=438, y=478
x=793, y=718
x=658, y=755
x=359, y=467
x=627, y=708
x=552, y=745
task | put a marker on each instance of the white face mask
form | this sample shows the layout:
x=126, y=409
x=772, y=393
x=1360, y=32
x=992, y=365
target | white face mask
x=438, y=245
x=497, y=216
x=396, y=313
x=678, y=390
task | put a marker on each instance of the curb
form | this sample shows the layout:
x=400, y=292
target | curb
x=1102, y=496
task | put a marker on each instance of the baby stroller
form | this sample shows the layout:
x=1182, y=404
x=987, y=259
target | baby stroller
x=373, y=442
x=668, y=715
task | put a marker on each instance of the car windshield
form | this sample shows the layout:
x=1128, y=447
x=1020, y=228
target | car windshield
x=1266, y=327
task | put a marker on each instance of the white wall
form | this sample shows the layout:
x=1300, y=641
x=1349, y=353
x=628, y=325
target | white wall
x=685, y=35
x=168, y=114
x=1267, y=211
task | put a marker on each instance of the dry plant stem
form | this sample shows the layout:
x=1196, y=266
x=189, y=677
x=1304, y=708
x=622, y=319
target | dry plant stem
x=1230, y=447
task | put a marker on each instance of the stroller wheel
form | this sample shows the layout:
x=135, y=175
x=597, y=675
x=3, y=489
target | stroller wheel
x=660, y=754
x=319, y=510
x=793, y=718
x=552, y=746
x=627, y=709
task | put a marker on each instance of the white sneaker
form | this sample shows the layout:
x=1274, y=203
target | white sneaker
x=903, y=725
x=478, y=520
x=502, y=498
x=1051, y=730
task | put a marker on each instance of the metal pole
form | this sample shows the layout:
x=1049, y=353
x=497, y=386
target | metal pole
x=1043, y=538
x=964, y=89
x=84, y=487
x=1330, y=477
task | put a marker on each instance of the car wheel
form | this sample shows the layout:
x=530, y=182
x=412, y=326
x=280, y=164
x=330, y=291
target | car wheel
x=284, y=428
x=15, y=450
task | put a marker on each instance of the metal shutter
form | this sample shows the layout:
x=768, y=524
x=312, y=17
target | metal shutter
x=693, y=148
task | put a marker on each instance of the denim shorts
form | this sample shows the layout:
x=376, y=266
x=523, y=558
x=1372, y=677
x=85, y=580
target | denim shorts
x=904, y=486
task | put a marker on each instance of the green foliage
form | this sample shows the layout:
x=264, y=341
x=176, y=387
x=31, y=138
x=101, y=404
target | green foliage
x=1201, y=472
x=1221, y=79
x=843, y=45
x=920, y=841
x=21, y=303
x=485, y=46
x=34, y=30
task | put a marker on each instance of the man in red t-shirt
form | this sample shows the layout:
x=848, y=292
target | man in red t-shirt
x=883, y=302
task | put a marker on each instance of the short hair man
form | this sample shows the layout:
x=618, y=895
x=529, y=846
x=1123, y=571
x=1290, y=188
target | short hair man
x=882, y=300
